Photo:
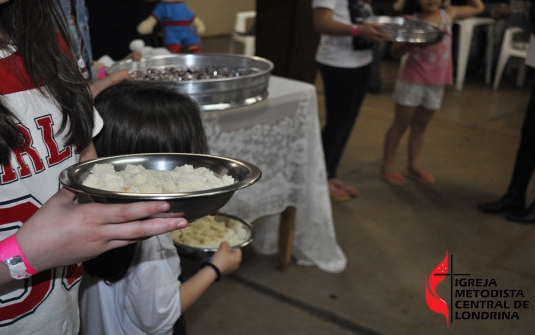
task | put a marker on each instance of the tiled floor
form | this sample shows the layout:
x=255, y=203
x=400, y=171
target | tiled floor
x=395, y=236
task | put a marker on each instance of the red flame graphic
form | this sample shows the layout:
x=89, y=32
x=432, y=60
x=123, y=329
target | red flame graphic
x=434, y=302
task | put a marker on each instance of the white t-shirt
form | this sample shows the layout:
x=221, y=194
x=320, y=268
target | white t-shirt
x=145, y=301
x=338, y=51
x=46, y=303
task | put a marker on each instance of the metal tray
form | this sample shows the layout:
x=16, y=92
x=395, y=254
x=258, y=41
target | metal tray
x=211, y=94
x=400, y=29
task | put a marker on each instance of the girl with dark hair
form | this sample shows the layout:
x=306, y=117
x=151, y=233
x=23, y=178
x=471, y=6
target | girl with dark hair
x=423, y=75
x=514, y=200
x=47, y=121
x=135, y=289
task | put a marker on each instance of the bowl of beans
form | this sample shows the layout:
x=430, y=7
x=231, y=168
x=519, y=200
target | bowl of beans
x=194, y=185
x=214, y=81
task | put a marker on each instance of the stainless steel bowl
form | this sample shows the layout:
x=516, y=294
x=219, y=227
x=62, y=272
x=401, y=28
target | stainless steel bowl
x=190, y=205
x=211, y=94
x=203, y=254
x=400, y=29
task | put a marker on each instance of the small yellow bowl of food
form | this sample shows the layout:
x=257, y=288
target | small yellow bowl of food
x=203, y=236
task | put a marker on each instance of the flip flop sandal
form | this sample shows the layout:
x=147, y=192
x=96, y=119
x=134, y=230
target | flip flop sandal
x=394, y=178
x=353, y=193
x=338, y=194
x=423, y=177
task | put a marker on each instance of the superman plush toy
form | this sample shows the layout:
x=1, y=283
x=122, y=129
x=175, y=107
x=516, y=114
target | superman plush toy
x=180, y=26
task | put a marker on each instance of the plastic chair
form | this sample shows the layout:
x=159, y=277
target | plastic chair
x=510, y=48
x=466, y=30
x=240, y=33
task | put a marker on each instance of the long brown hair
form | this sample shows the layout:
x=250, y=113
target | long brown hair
x=36, y=29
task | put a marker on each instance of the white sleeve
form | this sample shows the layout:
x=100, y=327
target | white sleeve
x=99, y=123
x=152, y=300
x=330, y=4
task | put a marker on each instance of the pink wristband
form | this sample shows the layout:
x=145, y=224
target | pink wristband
x=10, y=248
x=355, y=30
x=102, y=73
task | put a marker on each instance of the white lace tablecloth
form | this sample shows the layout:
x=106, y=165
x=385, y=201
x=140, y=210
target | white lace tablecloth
x=281, y=135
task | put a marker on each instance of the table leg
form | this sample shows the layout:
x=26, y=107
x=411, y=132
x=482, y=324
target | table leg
x=286, y=237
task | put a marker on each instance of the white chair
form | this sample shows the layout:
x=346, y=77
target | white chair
x=240, y=33
x=466, y=30
x=511, y=48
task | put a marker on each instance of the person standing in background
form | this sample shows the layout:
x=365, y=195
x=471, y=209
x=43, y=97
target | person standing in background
x=344, y=57
x=423, y=76
x=77, y=18
x=514, y=200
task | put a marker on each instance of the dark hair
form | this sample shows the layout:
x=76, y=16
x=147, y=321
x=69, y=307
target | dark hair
x=37, y=29
x=142, y=118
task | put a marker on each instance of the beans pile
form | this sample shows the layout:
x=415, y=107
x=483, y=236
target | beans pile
x=189, y=73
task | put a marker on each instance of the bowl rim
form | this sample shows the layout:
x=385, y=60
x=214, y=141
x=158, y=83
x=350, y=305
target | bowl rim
x=241, y=245
x=269, y=63
x=67, y=181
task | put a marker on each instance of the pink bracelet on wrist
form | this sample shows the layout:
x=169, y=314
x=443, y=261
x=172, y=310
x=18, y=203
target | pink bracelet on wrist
x=14, y=258
x=102, y=73
x=355, y=30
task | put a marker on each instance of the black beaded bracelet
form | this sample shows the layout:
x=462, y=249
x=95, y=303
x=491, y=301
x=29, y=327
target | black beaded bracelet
x=216, y=269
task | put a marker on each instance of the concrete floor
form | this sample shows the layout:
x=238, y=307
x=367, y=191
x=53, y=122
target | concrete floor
x=395, y=236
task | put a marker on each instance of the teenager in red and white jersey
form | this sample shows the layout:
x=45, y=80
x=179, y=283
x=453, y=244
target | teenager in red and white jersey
x=47, y=121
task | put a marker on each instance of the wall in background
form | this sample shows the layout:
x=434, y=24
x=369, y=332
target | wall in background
x=219, y=15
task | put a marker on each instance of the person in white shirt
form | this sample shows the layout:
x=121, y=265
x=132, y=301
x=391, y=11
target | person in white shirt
x=136, y=289
x=344, y=58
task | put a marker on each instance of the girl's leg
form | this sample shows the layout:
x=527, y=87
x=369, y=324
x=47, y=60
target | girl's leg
x=419, y=124
x=402, y=119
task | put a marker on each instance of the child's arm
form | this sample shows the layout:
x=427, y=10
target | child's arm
x=225, y=259
x=472, y=8
x=99, y=85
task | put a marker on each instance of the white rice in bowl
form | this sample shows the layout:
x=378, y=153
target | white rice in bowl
x=137, y=179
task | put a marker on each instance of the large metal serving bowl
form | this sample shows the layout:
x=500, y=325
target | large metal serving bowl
x=190, y=205
x=204, y=254
x=211, y=94
x=400, y=29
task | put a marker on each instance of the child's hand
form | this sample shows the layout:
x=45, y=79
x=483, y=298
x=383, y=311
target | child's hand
x=135, y=56
x=372, y=32
x=227, y=260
